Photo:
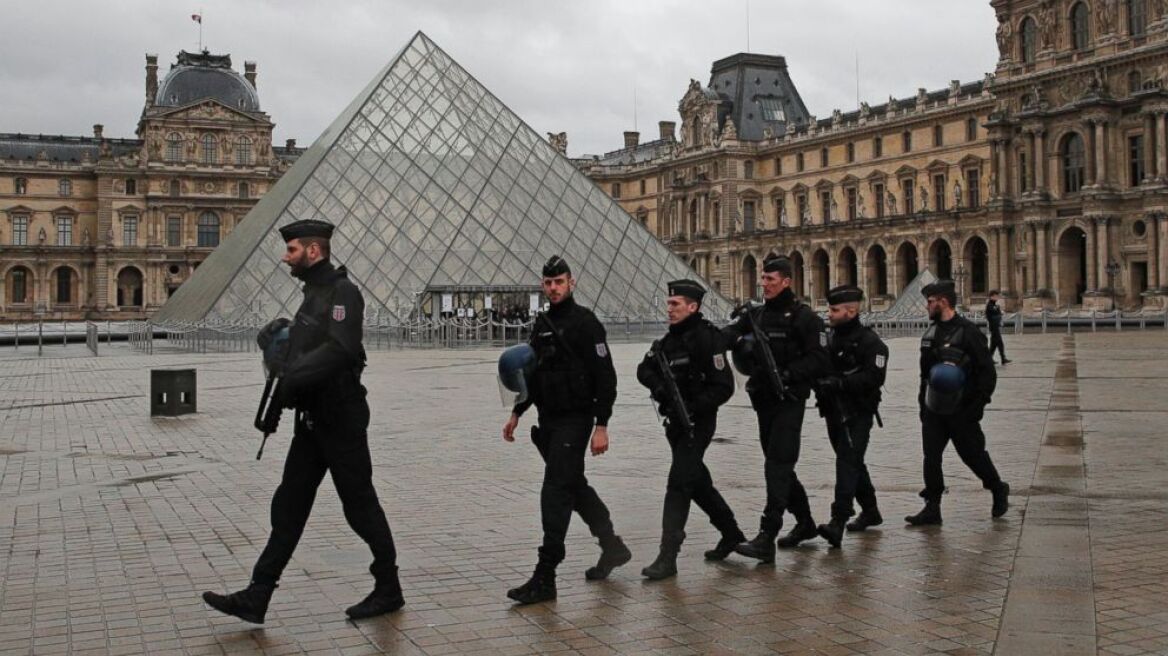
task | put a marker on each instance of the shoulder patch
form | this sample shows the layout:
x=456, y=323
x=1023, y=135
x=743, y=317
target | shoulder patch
x=880, y=361
x=823, y=339
x=338, y=313
x=602, y=350
x=719, y=361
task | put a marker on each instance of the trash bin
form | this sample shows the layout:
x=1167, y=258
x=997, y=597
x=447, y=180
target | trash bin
x=172, y=392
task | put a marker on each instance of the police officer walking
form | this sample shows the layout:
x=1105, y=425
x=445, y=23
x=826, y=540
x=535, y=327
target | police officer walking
x=794, y=336
x=849, y=399
x=573, y=389
x=322, y=381
x=957, y=382
x=690, y=362
x=993, y=313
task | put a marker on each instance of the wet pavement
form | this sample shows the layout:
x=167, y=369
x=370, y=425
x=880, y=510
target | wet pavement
x=112, y=524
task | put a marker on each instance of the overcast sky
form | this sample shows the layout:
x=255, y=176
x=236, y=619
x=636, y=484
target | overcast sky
x=562, y=66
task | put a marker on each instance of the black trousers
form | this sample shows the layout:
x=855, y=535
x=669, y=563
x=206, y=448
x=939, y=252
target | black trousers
x=996, y=342
x=563, y=442
x=964, y=430
x=852, y=482
x=335, y=441
x=780, y=425
x=690, y=480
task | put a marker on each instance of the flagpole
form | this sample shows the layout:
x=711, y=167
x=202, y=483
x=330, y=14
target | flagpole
x=200, y=29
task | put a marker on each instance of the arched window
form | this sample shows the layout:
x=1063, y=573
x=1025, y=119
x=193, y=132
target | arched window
x=1137, y=17
x=244, y=190
x=1073, y=156
x=1080, y=26
x=1028, y=34
x=208, y=230
x=19, y=283
x=243, y=152
x=210, y=149
x=174, y=147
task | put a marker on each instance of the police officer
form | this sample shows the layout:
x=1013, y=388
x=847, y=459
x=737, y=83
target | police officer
x=957, y=381
x=849, y=399
x=797, y=341
x=573, y=389
x=694, y=354
x=322, y=381
x=993, y=313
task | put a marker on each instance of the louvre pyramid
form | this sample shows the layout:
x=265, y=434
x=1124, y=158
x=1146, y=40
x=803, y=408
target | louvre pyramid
x=432, y=181
x=910, y=304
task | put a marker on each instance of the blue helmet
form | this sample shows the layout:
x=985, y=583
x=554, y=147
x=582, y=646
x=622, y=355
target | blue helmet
x=516, y=365
x=945, y=388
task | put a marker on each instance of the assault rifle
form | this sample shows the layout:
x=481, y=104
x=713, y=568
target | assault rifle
x=275, y=348
x=675, y=398
x=762, y=343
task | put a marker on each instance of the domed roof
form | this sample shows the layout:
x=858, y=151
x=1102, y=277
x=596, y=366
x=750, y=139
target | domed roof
x=197, y=76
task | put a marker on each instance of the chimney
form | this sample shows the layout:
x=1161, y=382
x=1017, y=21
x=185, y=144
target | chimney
x=249, y=72
x=151, y=79
x=632, y=139
x=290, y=144
x=97, y=131
x=666, y=128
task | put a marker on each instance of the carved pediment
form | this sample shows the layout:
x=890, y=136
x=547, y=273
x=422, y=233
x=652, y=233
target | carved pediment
x=970, y=161
x=937, y=166
x=209, y=109
x=849, y=179
x=905, y=171
x=824, y=183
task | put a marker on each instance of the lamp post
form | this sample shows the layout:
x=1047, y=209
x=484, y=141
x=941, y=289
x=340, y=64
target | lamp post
x=1112, y=269
x=959, y=278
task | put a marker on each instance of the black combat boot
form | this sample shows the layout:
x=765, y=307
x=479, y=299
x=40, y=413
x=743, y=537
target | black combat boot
x=613, y=554
x=833, y=531
x=929, y=515
x=867, y=517
x=385, y=598
x=540, y=587
x=666, y=564
x=726, y=545
x=249, y=604
x=804, y=530
x=761, y=547
x=1001, y=499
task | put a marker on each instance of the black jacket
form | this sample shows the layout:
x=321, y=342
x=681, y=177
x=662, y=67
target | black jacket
x=860, y=358
x=574, y=372
x=976, y=360
x=797, y=339
x=325, y=352
x=993, y=313
x=695, y=354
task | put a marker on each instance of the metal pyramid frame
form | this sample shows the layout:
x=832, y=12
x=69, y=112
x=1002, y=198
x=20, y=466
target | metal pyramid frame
x=433, y=182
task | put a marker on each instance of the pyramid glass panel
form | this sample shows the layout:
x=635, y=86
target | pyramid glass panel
x=434, y=184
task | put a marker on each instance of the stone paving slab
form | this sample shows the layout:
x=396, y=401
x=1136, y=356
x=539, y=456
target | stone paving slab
x=111, y=523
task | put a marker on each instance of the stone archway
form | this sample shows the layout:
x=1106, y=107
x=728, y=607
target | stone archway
x=820, y=275
x=876, y=271
x=907, y=265
x=846, y=272
x=64, y=281
x=797, y=278
x=1072, y=266
x=977, y=257
x=129, y=287
x=749, y=277
x=941, y=259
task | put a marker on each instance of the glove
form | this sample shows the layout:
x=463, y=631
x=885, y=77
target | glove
x=268, y=332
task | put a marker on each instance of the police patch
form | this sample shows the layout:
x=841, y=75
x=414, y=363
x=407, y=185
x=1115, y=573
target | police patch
x=602, y=350
x=719, y=362
x=880, y=362
x=338, y=313
x=823, y=340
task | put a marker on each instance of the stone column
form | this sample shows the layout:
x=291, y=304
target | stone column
x=1101, y=252
x=1005, y=259
x=1041, y=255
x=1149, y=148
x=1153, y=233
x=1092, y=258
x=1102, y=177
x=1031, y=173
x=1090, y=148
x=1161, y=255
x=1039, y=157
x=1159, y=144
x=995, y=258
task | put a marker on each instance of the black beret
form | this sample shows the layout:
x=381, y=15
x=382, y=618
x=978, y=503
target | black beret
x=690, y=289
x=844, y=294
x=945, y=288
x=556, y=266
x=778, y=264
x=307, y=228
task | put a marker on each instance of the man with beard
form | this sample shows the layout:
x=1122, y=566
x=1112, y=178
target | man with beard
x=573, y=388
x=797, y=342
x=693, y=353
x=957, y=382
x=321, y=379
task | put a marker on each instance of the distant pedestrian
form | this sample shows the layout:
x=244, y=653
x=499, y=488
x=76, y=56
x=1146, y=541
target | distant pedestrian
x=993, y=313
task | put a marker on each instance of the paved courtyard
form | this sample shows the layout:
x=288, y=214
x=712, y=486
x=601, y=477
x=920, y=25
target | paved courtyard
x=112, y=524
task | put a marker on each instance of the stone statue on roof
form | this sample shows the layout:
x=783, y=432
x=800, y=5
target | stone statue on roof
x=559, y=141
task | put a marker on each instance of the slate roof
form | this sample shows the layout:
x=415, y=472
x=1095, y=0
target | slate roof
x=197, y=76
x=60, y=148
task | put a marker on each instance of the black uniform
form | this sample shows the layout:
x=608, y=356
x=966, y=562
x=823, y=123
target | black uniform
x=694, y=351
x=798, y=341
x=323, y=383
x=859, y=359
x=957, y=340
x=993, y=313
x=573, y=388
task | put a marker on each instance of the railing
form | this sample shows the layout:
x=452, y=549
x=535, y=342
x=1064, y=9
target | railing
x=91, y=337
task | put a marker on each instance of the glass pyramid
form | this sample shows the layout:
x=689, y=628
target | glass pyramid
x=434, y=184
x=910, y=304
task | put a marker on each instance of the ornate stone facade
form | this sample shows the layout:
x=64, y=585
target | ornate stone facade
x=1047, y=180
x=100, y=228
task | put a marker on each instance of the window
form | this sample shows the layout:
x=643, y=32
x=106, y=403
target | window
x=208, y=230
x=1028, y=35
x=908, y=187
x=174, y=231
x=64, y=231
x=1135, y=158
x=243, y=151
x=1134, y=82
x=174, y=147
x=781, y=210
x=825, y=203
x=1022, y=182
x=131, y=187
x=939, y=192
x=129, y=230
x=245, y=190
x=772, y=109
x=20, y=186
x=616, y=190
x=878, y=196
x=906, y=141
x=823, y=157
x=642, y=187
x=20, y=230
x=1073, y=163
x=973, y=184
x=210, y=149
x=971, y=129
x=175, y=188
x=1080, y=18
x=799, y=162
x=938, y=135
x=801, y=205
x=778, y=166
x=852, y=203
x=1137, y=17
x=748, y=216
x=748, y=170
x=19, y=285
x=878, y=147
x=64, y=187
x=851, y=152
x=64, y=279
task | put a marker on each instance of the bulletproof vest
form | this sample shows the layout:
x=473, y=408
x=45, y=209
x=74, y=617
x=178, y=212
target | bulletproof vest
x=945, y=350
x=680, y=351
x=779, y=327
x=562, y=382
x=847, y=356
x=309, y=330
